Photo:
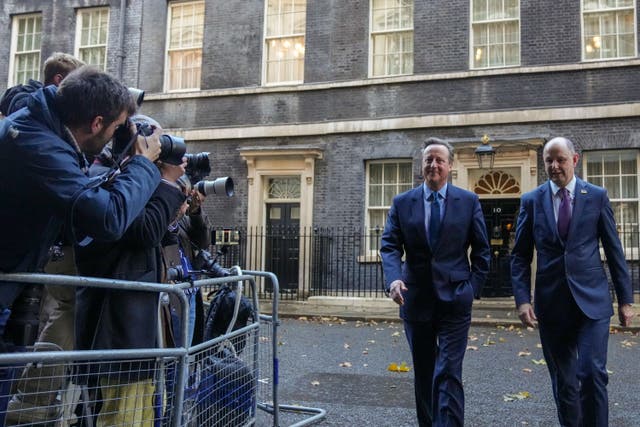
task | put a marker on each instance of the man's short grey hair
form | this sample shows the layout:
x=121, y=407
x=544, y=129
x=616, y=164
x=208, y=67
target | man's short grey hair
x=438, y=141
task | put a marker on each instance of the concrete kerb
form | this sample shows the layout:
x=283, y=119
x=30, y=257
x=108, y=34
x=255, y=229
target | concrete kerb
x=486, y=312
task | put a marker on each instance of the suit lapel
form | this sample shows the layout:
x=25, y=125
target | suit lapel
x=547, y=205
x=579, y=201
x=417, y=214
x=451, y=205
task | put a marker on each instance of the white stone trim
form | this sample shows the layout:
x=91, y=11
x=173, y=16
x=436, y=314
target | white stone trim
x=413, y=122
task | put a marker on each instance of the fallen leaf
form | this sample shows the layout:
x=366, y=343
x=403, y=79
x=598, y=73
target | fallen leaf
x=609, y=372
x=394, y=367
x=365, y=351
x=538, y=345
x=371, y=342
x=473, y=338
x=346, y=346
x=524, y=353
x=472, y=347
x=395, y=334
x=502, y=339
x=539, y=361
x=527, y=370
x=345, y=365
x=516, y=396
x=315, y=383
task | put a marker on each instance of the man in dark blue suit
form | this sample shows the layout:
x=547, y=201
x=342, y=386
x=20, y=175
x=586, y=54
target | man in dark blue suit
x=564, y=219
x=433, y=226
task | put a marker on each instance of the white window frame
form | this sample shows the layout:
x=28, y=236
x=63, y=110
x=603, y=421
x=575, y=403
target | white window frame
x=400, y=30
x=632, y=252
x=370, y=253
x=168, y=50
x=14, y=48
x=81, y=16
x=613, y=10
x=472, y=48
x=298, y=49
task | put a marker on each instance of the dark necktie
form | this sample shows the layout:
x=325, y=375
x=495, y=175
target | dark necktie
x=434, y=220
x=564, y=213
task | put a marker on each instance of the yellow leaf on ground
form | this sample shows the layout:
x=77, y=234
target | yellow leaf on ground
x=539, y=361
x=394, y=367
x=345, y=365
x=524, y=353
x=472, y=347
x=395, y=334
x=315, y=383
x=516, y=396
x=527, y=370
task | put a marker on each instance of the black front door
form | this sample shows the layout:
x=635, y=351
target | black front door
x=500, y=218
x=283, y=243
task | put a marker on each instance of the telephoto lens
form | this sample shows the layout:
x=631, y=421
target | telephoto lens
x=222, y=185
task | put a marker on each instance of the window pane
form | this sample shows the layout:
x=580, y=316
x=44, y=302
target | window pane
x=596, y=180
x=479, y=10
x=284, y=53
x=185, y=45
x=629, y=187
x=611, y=164
x=497, y=44
x=628, y=163
x=392, y=52
x=375, y=173
x=612, y=184
x=594, y=167
x=375, y=195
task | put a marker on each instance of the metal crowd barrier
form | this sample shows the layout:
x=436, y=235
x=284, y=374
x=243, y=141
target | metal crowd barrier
x=219, y=383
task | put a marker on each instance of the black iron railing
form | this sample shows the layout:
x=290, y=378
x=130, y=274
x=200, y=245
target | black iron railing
x=336, y=261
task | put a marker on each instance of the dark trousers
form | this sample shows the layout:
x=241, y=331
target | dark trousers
x=575, y=349
x=437, y=348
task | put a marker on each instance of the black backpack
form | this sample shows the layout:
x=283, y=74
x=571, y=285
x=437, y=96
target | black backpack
x=220, y=314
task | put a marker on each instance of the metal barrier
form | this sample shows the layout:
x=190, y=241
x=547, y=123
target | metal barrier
x=220, y=383
x=269, y=333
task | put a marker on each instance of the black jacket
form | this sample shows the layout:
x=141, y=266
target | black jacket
x=115, y=319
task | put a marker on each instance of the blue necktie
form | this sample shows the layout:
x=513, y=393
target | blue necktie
x=434, y=220
x=564, y=213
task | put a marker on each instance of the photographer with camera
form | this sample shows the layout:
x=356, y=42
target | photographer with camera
x=43, y=181
x=121, y=319
x=185, y=249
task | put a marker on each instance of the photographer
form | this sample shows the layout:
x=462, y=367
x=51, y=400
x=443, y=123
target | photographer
x=184, y=245
x=121, y=319
x=43, y=184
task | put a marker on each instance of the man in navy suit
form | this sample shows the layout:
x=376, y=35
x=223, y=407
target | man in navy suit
x=564, y=219
x=433, y=226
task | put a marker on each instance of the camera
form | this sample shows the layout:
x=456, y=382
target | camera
x=222, y=185
x=172, y=148
x=205, y=262
x=197, y=166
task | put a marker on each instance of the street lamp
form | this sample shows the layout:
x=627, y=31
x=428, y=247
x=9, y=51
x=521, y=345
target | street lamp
x=485, y=153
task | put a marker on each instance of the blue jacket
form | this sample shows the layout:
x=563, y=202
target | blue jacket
x=43, y=187
x=575, y=264
x=448, y=273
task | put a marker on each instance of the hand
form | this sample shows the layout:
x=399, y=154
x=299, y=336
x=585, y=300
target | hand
x=395, y=291
x=625, y=314
x=526, y=315
x=149, y=146
x=172, y=172
x=196, y=201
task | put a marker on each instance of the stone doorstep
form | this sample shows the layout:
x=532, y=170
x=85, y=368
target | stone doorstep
x=486, y=312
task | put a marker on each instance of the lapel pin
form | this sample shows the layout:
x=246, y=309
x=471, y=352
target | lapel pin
x=583, y=191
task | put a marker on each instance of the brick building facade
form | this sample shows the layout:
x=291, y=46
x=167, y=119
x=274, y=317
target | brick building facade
x=365, y=83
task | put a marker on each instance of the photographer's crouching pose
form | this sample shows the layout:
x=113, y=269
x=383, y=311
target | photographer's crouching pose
x=122, y=319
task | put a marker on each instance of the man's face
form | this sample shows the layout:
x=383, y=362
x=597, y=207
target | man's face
x=436, y=166
x=559, y=162
x=94, y=144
